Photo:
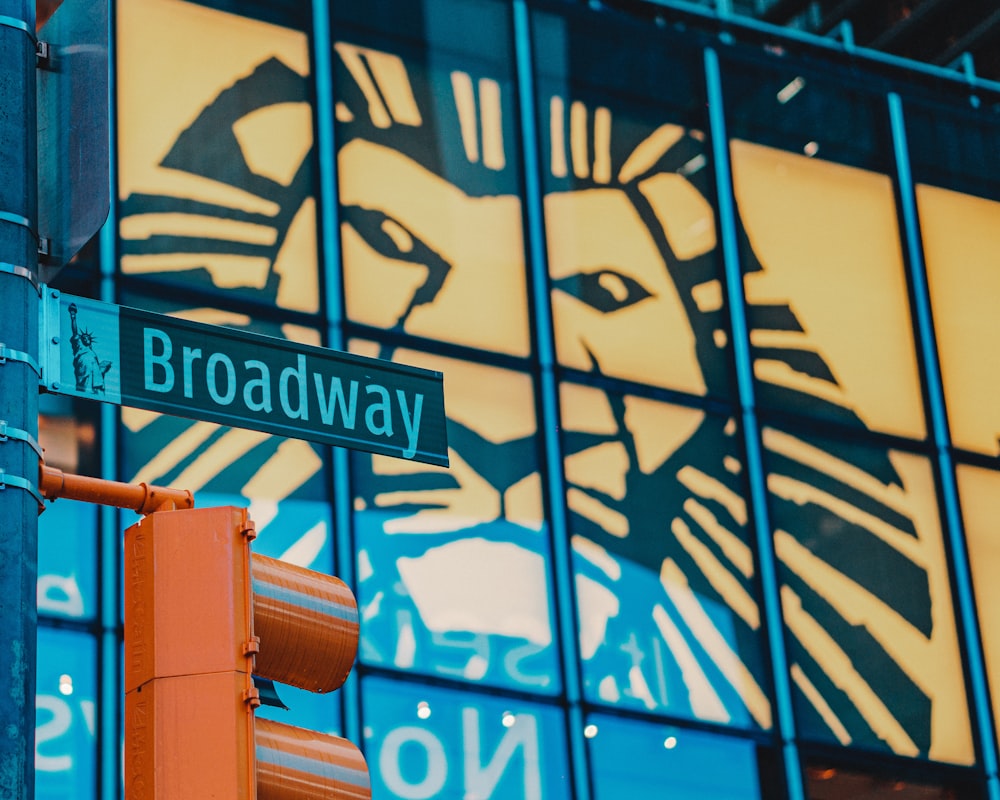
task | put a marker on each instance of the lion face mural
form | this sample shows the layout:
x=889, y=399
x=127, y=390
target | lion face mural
x=594, y=420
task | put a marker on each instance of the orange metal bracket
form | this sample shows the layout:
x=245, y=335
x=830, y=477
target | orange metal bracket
x=142, y=497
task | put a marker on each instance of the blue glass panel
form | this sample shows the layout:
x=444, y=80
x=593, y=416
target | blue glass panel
x=189, y=454
x=863, y=567
x=317, y=712
x=643, y=761
x=424, y=742
x=66, y=716
x=67, y=560
x=297, y=531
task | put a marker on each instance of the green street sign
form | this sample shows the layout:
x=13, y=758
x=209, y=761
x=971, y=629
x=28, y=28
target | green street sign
x=129, y=357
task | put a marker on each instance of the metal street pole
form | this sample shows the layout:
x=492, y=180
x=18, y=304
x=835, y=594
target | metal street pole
x=19, y=458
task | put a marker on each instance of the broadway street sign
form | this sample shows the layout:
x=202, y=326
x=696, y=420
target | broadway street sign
x=134, y=358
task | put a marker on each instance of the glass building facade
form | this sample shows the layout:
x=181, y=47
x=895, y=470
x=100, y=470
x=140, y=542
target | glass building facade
x=716, y=316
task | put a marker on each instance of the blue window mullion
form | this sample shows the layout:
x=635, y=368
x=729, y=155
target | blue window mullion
x=756, y=479
x=548, y=390
x=322, y=43
x=110, y=681
x=939, y=430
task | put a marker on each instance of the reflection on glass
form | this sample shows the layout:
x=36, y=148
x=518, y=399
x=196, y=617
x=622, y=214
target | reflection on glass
x=424, y=742
x=67, y=560
x=65, y=716
x=872, y=643
x=830, y=329
x=453, y=562
x=826, y=782
x=215, y=166
x=644, y=761
x=979, y=492
x=961, y=237
x=668, y=614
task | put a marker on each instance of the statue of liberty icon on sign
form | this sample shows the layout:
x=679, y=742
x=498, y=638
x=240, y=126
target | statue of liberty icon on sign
x=88, y=368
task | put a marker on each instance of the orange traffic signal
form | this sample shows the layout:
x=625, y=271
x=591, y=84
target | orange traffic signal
x=202, y=617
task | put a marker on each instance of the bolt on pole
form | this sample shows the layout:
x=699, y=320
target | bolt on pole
x=19, y=300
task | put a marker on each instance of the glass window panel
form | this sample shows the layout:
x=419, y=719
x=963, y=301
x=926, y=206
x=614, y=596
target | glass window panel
x=665, y=574
x=957, y=170
x=428, y=164
x=828, y=307
x=67, y=560
x=954, y=145
x=827, y=782
x=68, y=433
x=979, y=490
x=315, y=712
x=870, y=624
x=424, y=742
x=645, y=761
x=961, y=237
x=202, y=456
x=630, y=228
x=65, y=716
x=453, y=564
x=215, y=166
x=205, y=310
x=297, y=531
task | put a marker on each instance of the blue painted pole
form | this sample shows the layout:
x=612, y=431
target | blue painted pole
x=18, y=398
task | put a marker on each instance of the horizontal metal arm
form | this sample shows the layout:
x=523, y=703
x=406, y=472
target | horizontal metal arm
x=142, y=498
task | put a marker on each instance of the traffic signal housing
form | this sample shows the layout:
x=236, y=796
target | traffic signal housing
x=203, y=615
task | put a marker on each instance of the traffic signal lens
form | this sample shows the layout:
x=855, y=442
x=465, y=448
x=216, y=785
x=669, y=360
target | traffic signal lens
x=299, y=764
x=307, y=624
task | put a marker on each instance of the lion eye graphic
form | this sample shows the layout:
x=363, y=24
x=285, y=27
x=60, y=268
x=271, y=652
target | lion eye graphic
x=391, y=238
x=606, y=290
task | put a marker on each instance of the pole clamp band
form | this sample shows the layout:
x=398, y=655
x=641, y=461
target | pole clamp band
x=17, y=482
x=6, y=354
x=7, y=432
x=16, y=24
x=17, y=219
x=21, y=272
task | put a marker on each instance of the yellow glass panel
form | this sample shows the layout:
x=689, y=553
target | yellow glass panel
x=627, y=319
x=979, y=490
x=616, y=245
x=212, y=190
x=961, y=237
x=431, y=248
x=859, y=528
x=429, y=257
x=827, y=238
